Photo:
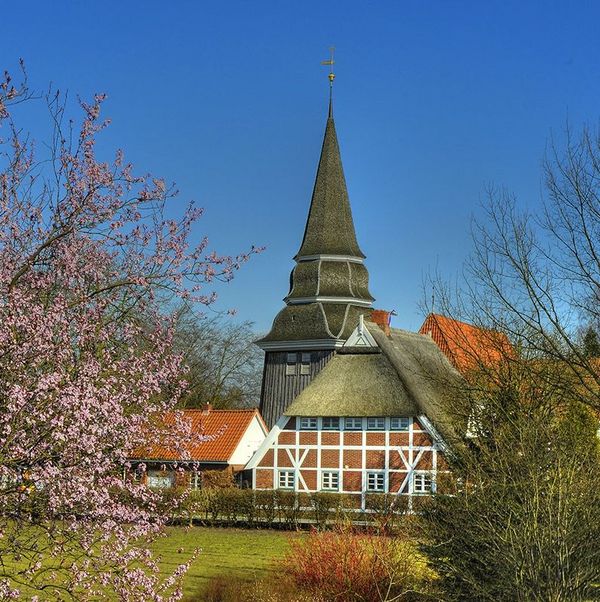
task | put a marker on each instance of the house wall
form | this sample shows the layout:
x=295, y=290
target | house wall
x=354, y=455
x=253, y=437
x=279, y=389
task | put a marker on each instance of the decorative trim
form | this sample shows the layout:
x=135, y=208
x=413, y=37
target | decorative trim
x=324, y=299
x=322, y=257
x=361, y=337
x=312, y=344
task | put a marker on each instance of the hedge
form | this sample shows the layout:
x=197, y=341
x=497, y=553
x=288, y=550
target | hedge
x=283, y=509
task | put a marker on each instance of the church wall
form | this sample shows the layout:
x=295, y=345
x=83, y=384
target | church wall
x=279, y=389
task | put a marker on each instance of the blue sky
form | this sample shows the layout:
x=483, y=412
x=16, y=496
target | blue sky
x=433, y=102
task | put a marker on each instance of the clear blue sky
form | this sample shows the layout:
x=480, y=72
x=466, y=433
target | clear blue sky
x=434, y=100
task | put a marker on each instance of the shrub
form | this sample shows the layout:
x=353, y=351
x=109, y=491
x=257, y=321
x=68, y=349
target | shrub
x=343, y=565
x=217, y=479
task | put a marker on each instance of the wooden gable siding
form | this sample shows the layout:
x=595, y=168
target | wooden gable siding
x=278, y=389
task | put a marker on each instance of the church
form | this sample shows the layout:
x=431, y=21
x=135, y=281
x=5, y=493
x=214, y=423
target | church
x=353, y=405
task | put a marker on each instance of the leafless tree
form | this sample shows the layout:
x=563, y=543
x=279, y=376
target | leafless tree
x=224, y=364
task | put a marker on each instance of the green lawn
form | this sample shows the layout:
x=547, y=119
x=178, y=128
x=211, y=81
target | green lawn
x=248, y=554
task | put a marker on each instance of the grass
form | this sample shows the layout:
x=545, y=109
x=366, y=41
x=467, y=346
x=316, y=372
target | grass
x=245, y=554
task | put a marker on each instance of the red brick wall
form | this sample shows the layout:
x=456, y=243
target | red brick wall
x=283, y=459
x=330, y=458
x=287, y=438
x=330, y=438
x=396, y=479
x=426, y=461
x=375, y=438
x=353, y=458
x=352, y=481
x=267, y=459
x=395, y=460
x=375, y=459
x=399, y=439
x=352, y=438
x=308, y=438
x=311, y=457
x=310, y=478
x=421, y=439
x=264, y=479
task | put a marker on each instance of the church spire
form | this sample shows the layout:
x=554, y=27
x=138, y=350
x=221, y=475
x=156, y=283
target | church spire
x=329, y=228
x=329, y=286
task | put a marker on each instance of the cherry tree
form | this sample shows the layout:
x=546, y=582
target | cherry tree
x=87, y=260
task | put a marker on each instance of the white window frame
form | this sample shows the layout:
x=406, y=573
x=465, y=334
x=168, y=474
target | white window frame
x=330, y=427
x=308, y=423
x=377, y=477
x=357, y=423
x=423, y=482
x=376, y=423
x=284, y=477
x=330, y=480
x=399, y=423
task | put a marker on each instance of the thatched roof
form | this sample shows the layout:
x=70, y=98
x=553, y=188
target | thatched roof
x=360, y=384
x=411, y=376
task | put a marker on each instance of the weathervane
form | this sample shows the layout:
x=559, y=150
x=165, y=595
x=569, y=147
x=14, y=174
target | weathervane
x=331, y=63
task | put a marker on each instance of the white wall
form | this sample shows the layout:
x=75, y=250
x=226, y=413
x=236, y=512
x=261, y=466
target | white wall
x=249, y=443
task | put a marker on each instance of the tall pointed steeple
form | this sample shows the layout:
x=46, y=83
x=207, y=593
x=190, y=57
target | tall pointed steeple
x=329, y=284
x=329, y=227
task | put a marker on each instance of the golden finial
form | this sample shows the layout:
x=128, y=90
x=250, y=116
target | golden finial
x=331, y=63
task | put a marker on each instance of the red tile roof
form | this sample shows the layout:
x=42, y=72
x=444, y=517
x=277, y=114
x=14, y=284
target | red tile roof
x=465, y=345
x=223, y=430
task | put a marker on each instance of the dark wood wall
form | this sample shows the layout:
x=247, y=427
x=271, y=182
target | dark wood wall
x=278, y=389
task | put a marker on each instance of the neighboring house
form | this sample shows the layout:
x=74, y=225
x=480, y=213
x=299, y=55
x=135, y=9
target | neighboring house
x=219, y=440
x=353, y=405
x=465, y=345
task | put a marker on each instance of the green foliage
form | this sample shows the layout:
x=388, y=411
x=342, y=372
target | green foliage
x=525, y=522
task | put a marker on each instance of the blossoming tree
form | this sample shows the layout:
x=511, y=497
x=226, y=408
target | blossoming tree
x=86, y=259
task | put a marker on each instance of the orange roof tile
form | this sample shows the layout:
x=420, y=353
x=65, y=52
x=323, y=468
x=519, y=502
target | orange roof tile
x=224, y=430
x=465, y=345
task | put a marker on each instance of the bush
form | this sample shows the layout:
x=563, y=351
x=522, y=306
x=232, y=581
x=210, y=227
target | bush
x=343, y=565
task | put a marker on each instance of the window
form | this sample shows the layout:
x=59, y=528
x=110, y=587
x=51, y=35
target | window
x=308, y=424
x=305, y=364
x=422, y=482
x=399, y=424
x=331, y=424
x=159, y=479
x=330, y=481
x=353, y=424
x=375, y=481
x=376, y=424
x=290, y=364
x=286, y=479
